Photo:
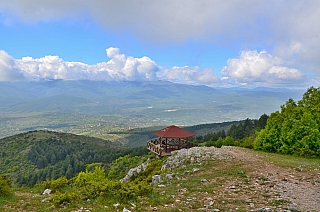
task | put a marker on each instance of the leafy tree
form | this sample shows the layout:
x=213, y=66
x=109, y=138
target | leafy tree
x=295, y=129
x=218, y=143
x=228, y=141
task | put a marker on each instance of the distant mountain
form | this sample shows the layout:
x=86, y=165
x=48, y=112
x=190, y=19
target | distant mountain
x=30, y=105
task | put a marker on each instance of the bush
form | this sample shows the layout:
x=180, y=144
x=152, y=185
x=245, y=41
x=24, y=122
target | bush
x=247, y=142
x=219, y=143
x=55, y=185
x=209, y=143
x=5, y=185
x=93, y=173
x=64, y=198
x=93, y=184
x=120, y=167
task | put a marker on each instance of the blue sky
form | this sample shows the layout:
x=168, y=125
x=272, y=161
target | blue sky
x=243, y=43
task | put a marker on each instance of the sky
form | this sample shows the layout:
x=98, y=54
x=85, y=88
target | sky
x=218, y=43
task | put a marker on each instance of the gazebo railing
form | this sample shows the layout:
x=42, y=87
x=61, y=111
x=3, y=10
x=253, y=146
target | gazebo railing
x=155, y=146
x=159, y=146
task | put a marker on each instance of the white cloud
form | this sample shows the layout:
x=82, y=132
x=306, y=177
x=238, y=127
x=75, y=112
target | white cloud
x=260, y=68
x=119, y=67
x=290, y=29
x=129, y=68
x=8, y=69
x=284, y=73
x=251, y=65
x=189, y=75
x=252, y=68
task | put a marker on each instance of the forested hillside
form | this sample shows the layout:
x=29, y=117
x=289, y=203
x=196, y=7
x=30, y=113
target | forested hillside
x=139, y=136
x=35, y=156
x=295, y=128
x=240, y=133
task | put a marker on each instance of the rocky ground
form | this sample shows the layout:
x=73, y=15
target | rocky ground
x=298, y=186
x=265, y=185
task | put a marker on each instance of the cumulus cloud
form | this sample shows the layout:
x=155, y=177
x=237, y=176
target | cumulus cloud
x=8, y=69
x=252, y=67
x=119, y=67
x=260, y=67
x=190, y=75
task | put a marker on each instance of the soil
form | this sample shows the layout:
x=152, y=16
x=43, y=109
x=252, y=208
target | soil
x=299, y=186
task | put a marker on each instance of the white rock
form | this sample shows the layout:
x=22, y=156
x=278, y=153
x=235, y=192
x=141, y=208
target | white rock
x=47, y=192
x=204, y=180
x=156, y=179
x=135, y=171
x=169, y=176
x=125, y=210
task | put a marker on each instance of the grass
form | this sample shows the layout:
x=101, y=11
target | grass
x=290, y=161
x=192, y=189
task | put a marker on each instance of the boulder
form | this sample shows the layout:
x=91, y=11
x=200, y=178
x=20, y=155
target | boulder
x=47, y=191
x=135, y=171
x=156, y=179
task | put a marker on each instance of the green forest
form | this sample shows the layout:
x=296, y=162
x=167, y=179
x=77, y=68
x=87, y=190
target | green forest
x=35, y=156
x=295, y=128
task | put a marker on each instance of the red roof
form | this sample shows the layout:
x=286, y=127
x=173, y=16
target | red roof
x=173, y=132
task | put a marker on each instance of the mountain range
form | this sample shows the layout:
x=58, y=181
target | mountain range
x=95, y=107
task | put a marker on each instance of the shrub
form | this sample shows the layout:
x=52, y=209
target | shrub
x=228, y=141
x=96, y=175
x=55, y=185
x=64, y=198
x=218, y=143
x=5, y=185
x=247, y=142
x=209, y=143
x=93, y=184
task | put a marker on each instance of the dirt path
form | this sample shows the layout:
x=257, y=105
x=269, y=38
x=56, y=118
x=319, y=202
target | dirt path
x=301, y=187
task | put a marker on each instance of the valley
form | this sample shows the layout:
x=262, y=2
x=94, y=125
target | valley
x=97, y=108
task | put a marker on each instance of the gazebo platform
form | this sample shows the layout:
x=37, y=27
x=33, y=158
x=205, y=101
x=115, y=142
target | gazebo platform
x=170, y=139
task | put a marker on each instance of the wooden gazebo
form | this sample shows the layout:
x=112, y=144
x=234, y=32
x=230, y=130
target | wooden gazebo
x=170, y=138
